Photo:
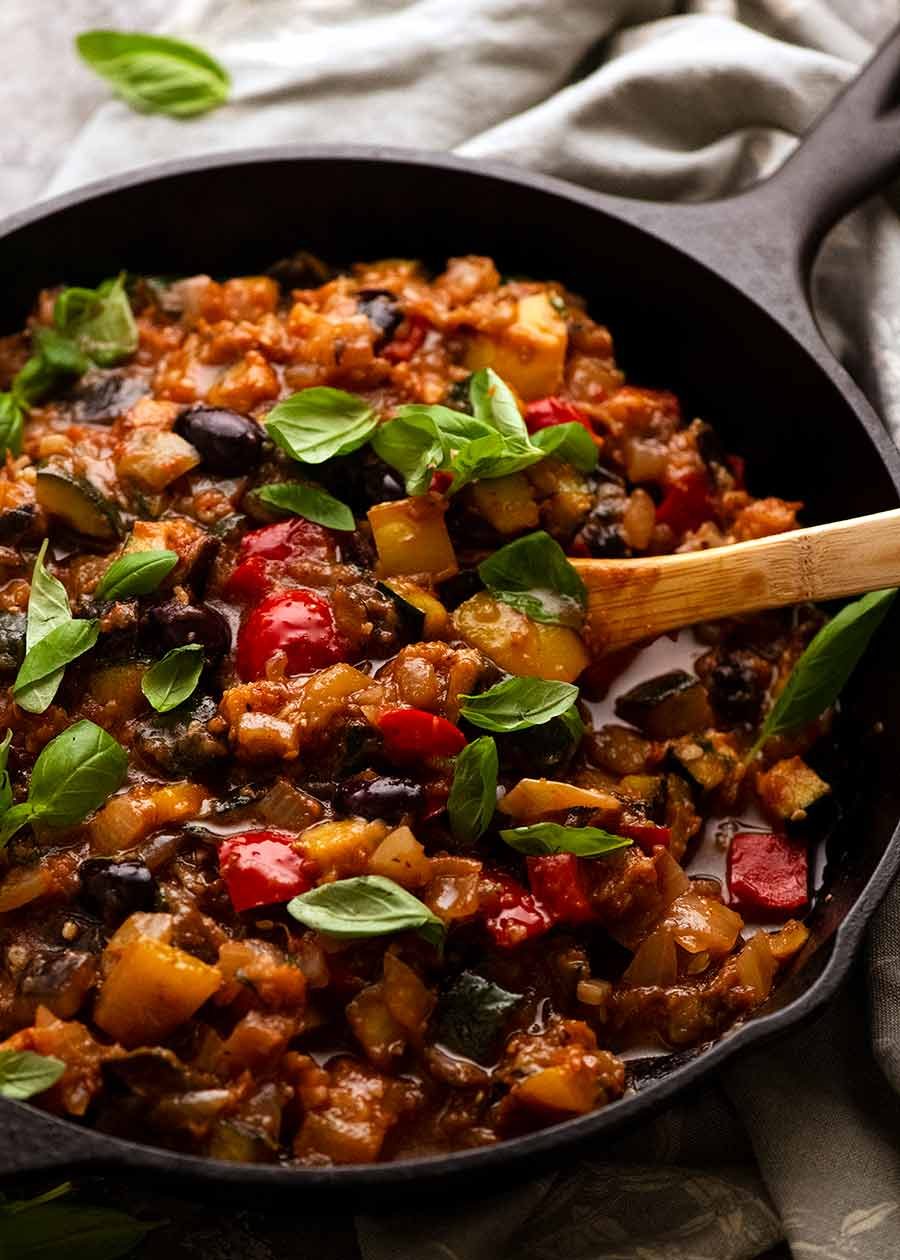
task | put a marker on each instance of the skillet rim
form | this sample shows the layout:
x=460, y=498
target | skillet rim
x=675, y=225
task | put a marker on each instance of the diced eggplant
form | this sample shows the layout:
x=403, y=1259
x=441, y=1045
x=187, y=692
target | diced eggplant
x=15, y=523
x=78, y=502
x=12, y=641
x=666, y=706
x=411, y=618
x=540, y=749
x=602, y=535
x=457, y=589
x=114, y=890
x=383, y=312
x=790, y=788
x=620, y=750
x=58, y=979
x=699, y=758
x=174, y=624
x=100, y=397
x=179, y=743
x=737, y=683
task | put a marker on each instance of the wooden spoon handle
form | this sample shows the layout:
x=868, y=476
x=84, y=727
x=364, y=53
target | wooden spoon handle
x=630, y=600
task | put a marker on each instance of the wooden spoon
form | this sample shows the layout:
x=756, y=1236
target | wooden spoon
x=631, y=600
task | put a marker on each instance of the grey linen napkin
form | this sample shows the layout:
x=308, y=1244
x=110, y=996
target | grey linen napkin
x=641, y=97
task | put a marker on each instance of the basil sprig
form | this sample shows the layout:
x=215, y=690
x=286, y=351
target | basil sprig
x=311, y=502
x=546, y=838
x=53, y=359
x=518, y=703
x=52, y=639
x=155, y=74
x=473, y=794
x=98, y=321
x=533, y=575
x=319, y=423
x=43, y=1228
x=170, y=681
x=12, y=422
x=492, y=442
x=820, y=674
x=73, y=775
x=367, y=905
x=24, y=1073
x=135, y=573
x=472, y=1015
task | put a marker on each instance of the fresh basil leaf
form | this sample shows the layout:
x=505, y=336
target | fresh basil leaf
x=311, y=502
x=473, y=794
x=542, y=839
x=48, y=603
x=455, y=427
x=472, y=1015
x=53, y=359
x=317, y=424
x=477, y=460
x=367, y=905
x=44, y=1228
x=40, y=673
x=518, y=703
x=12, y=420
x=171, y=680
x=533, y=575
x=99, y=321
x=23, y=1073
x=135, y=573
x=73, y=775
x=6, y=793
x=411, y=444
x=569, y=442
x=819, y=675
x=495, y=403
x=155, y=74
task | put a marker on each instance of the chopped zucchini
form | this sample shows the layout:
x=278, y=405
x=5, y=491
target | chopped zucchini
x=666, y=706
x=705, y=764
x=411, y=537
x=154, y=458
x=790, y=788
x=518, y=644
x=78, y=502
x=530, y=353
x=621, y=750
x=506, y=503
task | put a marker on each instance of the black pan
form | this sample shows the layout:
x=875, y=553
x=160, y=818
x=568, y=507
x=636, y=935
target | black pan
x=710, y=300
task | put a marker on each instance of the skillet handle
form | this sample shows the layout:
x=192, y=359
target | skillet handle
x=852, y=150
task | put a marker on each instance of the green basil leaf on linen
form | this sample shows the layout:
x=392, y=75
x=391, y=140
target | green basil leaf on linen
x=170, y=681
x=24, y=1073
x=546, y=838
x=135, y=573
x=367, y=905
x=12, y=420
x=518, y=703
x=98, y=321
x=41, y=671
x=319, y=423
x=54, y=358
x=569, y=442
x=156, y=74
x=820, y=674
x=311, y=502
x=472, y=1015
x=473, y=793
x=534, y=575
x=72, y=776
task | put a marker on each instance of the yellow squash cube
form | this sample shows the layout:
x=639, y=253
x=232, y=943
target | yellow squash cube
x=151, y=990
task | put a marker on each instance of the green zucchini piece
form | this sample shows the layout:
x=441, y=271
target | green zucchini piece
x=78, y=502
x=666, y=706
x=411, y=618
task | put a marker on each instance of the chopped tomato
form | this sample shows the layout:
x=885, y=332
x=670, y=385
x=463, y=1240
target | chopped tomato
x=768, y=871
x=261, y=868
x=440, y=481
x=288, y=539
x=298, y=623
x=546, y=412
x=415, y=733
x=686, y=503
x=559, y=884
x=250, y=580
x=404, y=347
x=514, y=914
x=647, y=834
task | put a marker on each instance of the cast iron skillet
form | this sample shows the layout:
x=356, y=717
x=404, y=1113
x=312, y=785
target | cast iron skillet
x=710, y=300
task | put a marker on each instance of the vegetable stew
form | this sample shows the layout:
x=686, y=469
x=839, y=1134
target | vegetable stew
x=315, y=846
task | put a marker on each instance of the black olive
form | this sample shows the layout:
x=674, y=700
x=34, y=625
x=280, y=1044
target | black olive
x=15, y=523
x=229, y=443
x=381, y=483
x=736, y=689
x=455, y=590
x=174, y=624
x=601, y=534
x=710, y=446
x=301, y=270
x=12, y=640
x=388, y=797
x=383, y=312
x=114, y=890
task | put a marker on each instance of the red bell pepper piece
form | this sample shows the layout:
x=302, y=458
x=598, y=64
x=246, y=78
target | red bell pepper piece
x=768, y=872
x=440, y=481
x=403, y=348
x=686, y=503
x=546, y=412
x=298, y=623
x=416, y=733
x=647, y=834
x=514, y=914
x=261, y=868
x=558, y=883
